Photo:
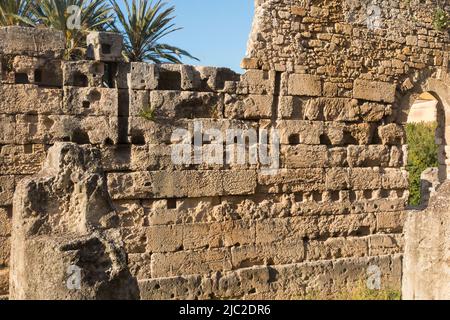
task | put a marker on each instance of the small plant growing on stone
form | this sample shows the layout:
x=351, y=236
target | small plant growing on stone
x=148, y=113
x=441, y=20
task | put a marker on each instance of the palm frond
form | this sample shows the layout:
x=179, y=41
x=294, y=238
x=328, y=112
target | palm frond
x=95, y=15
x=16, y=12
x=144, y=24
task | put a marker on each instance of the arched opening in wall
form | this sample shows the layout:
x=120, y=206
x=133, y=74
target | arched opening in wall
x=425, y=131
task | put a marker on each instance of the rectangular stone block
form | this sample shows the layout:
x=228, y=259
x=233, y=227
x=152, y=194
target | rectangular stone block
x=290, y=107
x=257, y=82
x=143, y=131
x=91, y=101
x=7, y=187
x=304, y=156
x=300, y=132
x=180, y=105
x=248, y=107
x=164, y=238
x=5, y=249
x=276, y=253
x=202, y=235
x=386, y=244
x=238, y=233
x=34, y=42
x=143, y=76
x=16, y=99
x=8, y=132
x=337, y=248
x=5, y=221
x=214, y=79
x=368, y=156
x=36, y=129
x=391, y=222
x=180, y=184
x=116, y=158
x=365, y=178
x=293, y=180
x=190, y=262
x=395, y=179
x=131, y=213
x=304, y=85
x=22, y=159
x=104, y=46
x=4, y=281
x=83, y=73
x=374, y=91
x=140, y=265
x=337, y=179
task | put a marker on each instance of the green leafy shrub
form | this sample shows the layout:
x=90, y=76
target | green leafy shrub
x=421, y=156
x=441, y=20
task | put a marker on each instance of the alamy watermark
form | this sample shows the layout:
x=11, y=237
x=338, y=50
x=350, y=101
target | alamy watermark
x=213, y=146
x=74, y=17
x=73, y=281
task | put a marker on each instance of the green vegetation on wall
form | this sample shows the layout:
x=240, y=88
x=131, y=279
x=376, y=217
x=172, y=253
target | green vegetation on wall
x=421, y=156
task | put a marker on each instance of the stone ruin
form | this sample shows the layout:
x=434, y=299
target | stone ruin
x=88, y=183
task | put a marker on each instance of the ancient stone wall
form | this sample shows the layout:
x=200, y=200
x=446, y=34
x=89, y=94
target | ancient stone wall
x=330, y=216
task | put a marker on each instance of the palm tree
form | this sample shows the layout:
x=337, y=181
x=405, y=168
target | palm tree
x=16, y=12
x=144, y=25
x=95, y=15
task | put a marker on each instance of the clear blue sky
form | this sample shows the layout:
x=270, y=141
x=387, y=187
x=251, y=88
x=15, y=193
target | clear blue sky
x=215, y=31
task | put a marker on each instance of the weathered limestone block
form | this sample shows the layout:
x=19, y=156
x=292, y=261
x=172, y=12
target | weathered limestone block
x=327, y=278
x=104, y=46
x=374, y=112
x=391, y=222
x=64, y=220
x=392, y=134
x=177, y=104
x=5, y=222
x=304, y=85
x=426, y=266
x=179, y=184
x=395, y=179
x=143, y=131
x=178, y=77
x=337, y=248
x=35, y=42
x=35, y=129
x=8, y=124
x=22, y=159
x=386, y=244
x=368, y=156
x=38, y=71
x=290, y=108
x=304, y=156
x=248, y=107
x=83, y=73
x=279, y=252
x=165, y=238
x=4, y=285
x=190, y=262
x=215, y=79
x=202, y=235
x=143, y=76
x=91, y=101
x=374, y=91
x=116, y=157
x=365, y=178
x=293, y=180
x=16, y=99
x=335, y=109
x=5, y=251
x=257, y=82
x=300, y=132
x=337, y=179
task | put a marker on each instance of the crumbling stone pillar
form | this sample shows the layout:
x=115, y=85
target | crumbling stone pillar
x=426, y=265
x=65, y=244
